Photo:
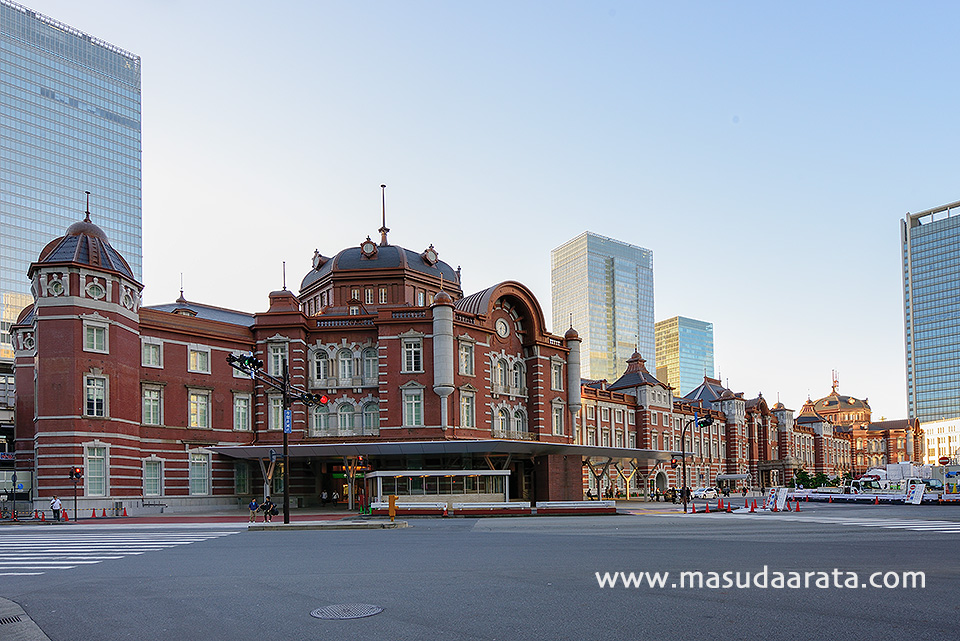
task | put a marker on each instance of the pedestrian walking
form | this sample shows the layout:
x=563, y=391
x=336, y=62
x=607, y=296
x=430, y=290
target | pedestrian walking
x=324, y=497
x=254, y=506
x=335, y=497
x=269, y=509
x=55, y=507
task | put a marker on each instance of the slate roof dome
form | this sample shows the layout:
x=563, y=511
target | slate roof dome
x=86, y=244
x=572, y=334
x=386, y=257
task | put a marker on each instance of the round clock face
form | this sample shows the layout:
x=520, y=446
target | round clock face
x=503, y=330
x=368, y=248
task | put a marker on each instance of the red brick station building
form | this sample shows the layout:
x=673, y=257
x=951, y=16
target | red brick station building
x=433, y=395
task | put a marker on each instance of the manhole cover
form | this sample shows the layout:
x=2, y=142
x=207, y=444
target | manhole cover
x=346, y=611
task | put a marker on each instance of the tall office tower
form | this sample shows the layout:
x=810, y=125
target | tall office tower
x=931, y=312
x=684, y=352
x=604, y=288
x=70, y=116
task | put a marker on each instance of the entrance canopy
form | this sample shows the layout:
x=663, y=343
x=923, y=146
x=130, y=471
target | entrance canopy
x=417, y=448
x=732, y=477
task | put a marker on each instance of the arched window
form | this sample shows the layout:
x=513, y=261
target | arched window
x=503, y=421
x=371, y=419
x=321, y=365
x=345, y=364
x=500, y=379
x=518, y=377
x=321, y=421
x=345, y=418
x=370, y=366
x=519, y=421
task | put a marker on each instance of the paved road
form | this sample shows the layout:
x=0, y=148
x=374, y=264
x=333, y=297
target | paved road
x=519, y=578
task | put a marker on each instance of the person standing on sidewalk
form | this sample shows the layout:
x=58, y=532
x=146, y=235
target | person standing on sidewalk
x=267, y=508
x=254, y=506
x=55, y=507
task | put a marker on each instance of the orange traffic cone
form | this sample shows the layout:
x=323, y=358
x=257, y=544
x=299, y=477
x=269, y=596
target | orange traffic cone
x=807, y=499
x=36, y=514
x=694, y=507
x=93, y=513
x=720, y=504
x=830, y=500
x=788, y=507
x=753, y=508
x=104, y=512
x=876, y=500
x=43, y=517
x=64, y=515
x=729, y=509
x=798, y=507
x=444, y=510
x=707, y=509
x=746, y=502
x=124, y=511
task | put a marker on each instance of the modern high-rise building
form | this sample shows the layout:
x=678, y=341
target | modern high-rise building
x=70, y=115
x=684, y=352
x=931, y=312
x=604, y=289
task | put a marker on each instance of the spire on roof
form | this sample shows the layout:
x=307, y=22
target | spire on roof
x=383, y=227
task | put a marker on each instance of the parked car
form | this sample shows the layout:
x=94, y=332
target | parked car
x=705, y=493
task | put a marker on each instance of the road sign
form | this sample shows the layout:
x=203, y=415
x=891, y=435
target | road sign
x=287, y=421
x=944, y=460
x=273, y=455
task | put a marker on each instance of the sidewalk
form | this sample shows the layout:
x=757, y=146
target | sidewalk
x=219, y=516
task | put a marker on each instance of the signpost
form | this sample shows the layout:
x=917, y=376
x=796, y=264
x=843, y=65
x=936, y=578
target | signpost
x=944, y=460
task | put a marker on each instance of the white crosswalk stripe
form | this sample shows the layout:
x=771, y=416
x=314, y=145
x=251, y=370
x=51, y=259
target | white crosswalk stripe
x=916, y=525
x=29, y=555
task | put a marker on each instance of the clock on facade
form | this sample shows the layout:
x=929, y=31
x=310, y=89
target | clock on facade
x=369, y=248
x=503, y=329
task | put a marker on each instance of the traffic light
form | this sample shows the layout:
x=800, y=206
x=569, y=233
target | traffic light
x=674, y=463
x=76, y=473
x=245, y=362
x=706, y=421
x=316, y=399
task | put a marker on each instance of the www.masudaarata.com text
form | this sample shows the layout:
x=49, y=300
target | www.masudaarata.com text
x=765, y=579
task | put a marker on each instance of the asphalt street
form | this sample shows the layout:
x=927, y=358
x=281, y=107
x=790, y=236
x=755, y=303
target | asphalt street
x=496, y=578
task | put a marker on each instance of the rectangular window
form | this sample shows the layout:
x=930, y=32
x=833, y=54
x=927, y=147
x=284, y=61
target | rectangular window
x=556, y=378
x=96, y=392
x=322, y=366
x=241, y=478
x=199, y=410
x=368, y=296
x=619, y=415
x=150, y=355
x=278, y=356
x=466, y=359
x=467, y=412
x=653, y=418
x=605, y=414
x=96, y=471
x=151, y=478
x=354, y=294
x=421, y=298
x=412, y=355
x=199, y=360
x=413, y=408
x=199, y=474
x=591, y=412
x=152, y=406
x=275, y=419
x=95, y=338
x=241, y=412
x=383, y=295
x=558, y=420
x=630, y=418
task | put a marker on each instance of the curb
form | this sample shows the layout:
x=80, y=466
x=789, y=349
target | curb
x=328, y=525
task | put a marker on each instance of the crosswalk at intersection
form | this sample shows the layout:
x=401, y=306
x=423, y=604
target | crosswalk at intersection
x=33, y=554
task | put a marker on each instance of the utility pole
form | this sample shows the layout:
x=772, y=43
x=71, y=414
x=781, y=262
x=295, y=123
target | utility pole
x=252, y=366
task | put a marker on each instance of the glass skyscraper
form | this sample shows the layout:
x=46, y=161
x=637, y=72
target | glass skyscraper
x=684, y=353
x=604, y=288
x=70, y=116
x=931, y=312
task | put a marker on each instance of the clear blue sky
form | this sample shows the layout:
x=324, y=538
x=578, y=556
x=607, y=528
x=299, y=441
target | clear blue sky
x=765, y=152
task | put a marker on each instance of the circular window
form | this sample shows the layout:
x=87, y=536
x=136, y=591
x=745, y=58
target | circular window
x=95, y=290
x=28, y=342
x=56, y=288
x=127, y=300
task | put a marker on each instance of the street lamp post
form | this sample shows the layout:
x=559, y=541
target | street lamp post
x=705, y=422
x=251, y=365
